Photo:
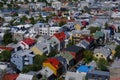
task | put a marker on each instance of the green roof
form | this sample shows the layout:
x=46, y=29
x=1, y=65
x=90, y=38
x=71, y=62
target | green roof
x=66, y=55
x=98, y=34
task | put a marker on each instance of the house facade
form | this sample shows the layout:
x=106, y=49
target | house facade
x=22, y=58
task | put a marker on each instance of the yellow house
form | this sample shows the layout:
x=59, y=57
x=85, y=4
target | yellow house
x=99, y=55
x=103, y=52
x=77, y=27
x=54, y=65
x=36, y=50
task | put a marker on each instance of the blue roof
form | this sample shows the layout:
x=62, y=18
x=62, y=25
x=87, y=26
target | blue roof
x=84, y=68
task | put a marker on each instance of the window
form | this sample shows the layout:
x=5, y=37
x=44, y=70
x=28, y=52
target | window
x=72, y=78
x=97, y=55
x=101, y=55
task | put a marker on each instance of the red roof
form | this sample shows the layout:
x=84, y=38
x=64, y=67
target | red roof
x=115, y=78
x=6, y=48
x=113, y=27
x=60, y=36
x=10, y=77
x=89, y=39
x=29, y=41
x=48, y=9
x=55, y=62
x=58, y=20
x=71, y=20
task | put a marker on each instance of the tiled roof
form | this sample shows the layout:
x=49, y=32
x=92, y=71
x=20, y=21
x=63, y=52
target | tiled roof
x=60, y=36
x=55, y=62
x=6, y=48
x=89, y=39
x=74, y=48
x=29, y=41
x=10, y=77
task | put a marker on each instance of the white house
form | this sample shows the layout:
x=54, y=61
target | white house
x=24, y=77
x=57, y=5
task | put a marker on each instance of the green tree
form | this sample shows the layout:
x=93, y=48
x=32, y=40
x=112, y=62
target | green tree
x=88, y=56
x=37, y=64
x=94, y=29
x=1, y=19
x=117, y=49
x=62, y=23
x=1, y=5
x=53, y=53
x=23, y=19
x=5, y=55
x=70, y=43
x=102, y=64
x=32, y=20
x=7, y=38
x=106, y=25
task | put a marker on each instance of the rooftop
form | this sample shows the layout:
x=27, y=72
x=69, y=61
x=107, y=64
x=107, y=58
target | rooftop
x=84, y=68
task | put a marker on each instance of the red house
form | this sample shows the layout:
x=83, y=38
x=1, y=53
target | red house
x=60, y=39
x=10, y=77
x=26, y=43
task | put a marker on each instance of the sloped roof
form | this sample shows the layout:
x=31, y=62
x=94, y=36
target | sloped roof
x=29, y=41
x=54, y=62
x=10, y=77
x=74, y=48
x=60, y=36
x=6, y=48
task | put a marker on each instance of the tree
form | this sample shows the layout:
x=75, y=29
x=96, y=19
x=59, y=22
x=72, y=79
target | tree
x=37, y=64
x=102, y=64
x=94, y=29
x=62, y=23
x=53, y=53
x=88, y=56
x=117, y=49
x=106, y=25
x=23, y=19
x=70, y=43
x=32, y=20
x=7, y=38
x=1, y=5
x=5, y=55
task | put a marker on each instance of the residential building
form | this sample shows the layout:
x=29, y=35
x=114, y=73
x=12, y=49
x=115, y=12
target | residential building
x=83, y=69
x=96, y=74
x=103, y=52
x=48, y=74
x=69, y=58
x=45, y=29
x=10, y=76
x=60, y=39
x=56, y=5
x=115, y=69
x=41, y=48
x=55, y=65
x=74, y=76
x=22, y=58
x=87, y=42
x=27, y=43
x=99, y=37
x=77, y=35
x=24, y=77
x=77, y=52
x=64, y=63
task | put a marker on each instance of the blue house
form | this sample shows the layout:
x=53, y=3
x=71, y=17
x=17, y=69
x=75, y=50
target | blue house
x=84, y=69
x=98, y=75
x=22, y=58
x=64, y=63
